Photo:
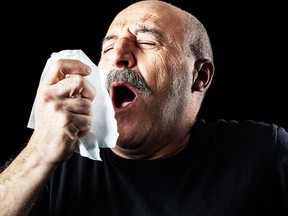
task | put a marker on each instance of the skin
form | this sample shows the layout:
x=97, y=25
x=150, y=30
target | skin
x=157, y=125
x=152, y=126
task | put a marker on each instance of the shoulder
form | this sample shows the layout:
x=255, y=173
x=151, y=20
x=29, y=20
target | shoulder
x=246, y=132
x=249, y=127
x=257, y=143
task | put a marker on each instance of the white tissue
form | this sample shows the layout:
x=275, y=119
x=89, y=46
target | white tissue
x=103, y=133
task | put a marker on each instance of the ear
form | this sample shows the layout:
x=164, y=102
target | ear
x=202, y=75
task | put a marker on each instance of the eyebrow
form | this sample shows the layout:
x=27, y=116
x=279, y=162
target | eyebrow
x=141, y=29
x=109, y=37
x=152, y=31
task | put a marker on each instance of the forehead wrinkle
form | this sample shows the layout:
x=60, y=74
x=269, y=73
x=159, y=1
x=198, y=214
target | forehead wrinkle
x=141, y=28
x=112, y=36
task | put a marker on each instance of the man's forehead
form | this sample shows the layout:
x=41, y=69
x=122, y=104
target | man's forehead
x=133, y=21
x=146, y=12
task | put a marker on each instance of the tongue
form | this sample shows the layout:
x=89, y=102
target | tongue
x=125, y=103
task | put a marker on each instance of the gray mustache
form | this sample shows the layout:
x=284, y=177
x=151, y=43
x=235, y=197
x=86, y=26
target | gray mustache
x=128, y=76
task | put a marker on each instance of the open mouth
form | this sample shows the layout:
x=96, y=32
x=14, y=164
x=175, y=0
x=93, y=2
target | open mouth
x=122, y=95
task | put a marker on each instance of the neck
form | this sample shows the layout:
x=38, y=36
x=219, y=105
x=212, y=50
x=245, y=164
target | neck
x=167, y=149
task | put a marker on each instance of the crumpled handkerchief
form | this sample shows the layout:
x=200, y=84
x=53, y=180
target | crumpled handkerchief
x=104, y=127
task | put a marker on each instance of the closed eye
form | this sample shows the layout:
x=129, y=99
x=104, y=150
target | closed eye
x=146, y=43
x=107, y=49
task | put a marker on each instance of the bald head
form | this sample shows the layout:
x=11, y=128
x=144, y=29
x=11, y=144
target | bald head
x=178, y=21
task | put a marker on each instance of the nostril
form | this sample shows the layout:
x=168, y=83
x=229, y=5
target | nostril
x=123, y=59
x=123, y=63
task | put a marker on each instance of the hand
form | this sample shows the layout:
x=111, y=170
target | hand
x=63, y=109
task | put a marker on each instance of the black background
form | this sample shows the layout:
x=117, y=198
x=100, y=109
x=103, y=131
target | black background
x=249, y=41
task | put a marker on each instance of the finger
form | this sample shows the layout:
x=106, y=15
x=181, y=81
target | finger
x=75, y=86
x=63, y=116
x=78, y=105
x=79, y=124
x=59, y=69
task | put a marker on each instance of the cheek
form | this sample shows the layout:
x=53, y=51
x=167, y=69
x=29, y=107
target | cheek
x=103, y=64
x=156, y=72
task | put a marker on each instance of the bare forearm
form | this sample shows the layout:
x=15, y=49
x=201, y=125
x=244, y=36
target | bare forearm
x=59, y=120
x=21, y=182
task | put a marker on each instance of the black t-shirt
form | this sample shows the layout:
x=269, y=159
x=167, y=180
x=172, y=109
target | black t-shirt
x=228, y=168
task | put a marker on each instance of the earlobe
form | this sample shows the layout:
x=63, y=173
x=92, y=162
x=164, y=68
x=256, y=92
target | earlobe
x=203, y=74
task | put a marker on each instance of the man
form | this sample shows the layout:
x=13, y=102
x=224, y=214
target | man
x=166, y=162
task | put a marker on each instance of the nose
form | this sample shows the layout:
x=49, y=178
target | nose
x=122, y=54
